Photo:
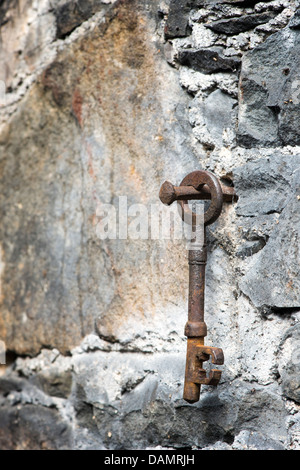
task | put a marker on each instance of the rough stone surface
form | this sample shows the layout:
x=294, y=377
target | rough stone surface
x=213, y=129
x=32, y=427
x=240, y=24
x=208, y=60
x=70, y=14
x=101, y=99
x=295, y=21
x=273, y=280
x=269, y=103
x=178, y=18
x=288, y=366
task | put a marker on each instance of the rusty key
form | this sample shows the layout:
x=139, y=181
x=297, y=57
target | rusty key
x=198, y=185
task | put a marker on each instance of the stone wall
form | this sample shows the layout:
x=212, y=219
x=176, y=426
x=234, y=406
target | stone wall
x=102, y=99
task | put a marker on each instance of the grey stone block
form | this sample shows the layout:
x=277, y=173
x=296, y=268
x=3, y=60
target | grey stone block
x=273, y=186
x=289, y=363
x=33, y=428
x=177, y=21
x=208, y=60
x=240, y=24
x=269, y=92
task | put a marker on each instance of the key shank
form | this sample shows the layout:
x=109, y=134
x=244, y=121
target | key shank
x=195, y=328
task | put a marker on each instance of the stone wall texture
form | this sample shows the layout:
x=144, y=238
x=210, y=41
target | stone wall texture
x=107, y=98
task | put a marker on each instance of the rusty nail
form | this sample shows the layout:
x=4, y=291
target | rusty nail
x=170, y=193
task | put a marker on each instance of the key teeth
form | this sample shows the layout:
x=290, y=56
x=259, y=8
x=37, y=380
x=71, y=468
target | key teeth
x=217, y=355
x=213, y=378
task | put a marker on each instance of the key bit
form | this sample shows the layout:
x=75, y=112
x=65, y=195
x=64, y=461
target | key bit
x=213, y=378
x=217, y=356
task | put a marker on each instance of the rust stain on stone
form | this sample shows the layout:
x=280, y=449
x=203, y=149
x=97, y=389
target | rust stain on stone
x=77, y=101
x=90, y=165
x=51, y=80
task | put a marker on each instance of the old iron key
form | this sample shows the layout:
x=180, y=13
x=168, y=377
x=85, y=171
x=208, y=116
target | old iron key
x=198, y=185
